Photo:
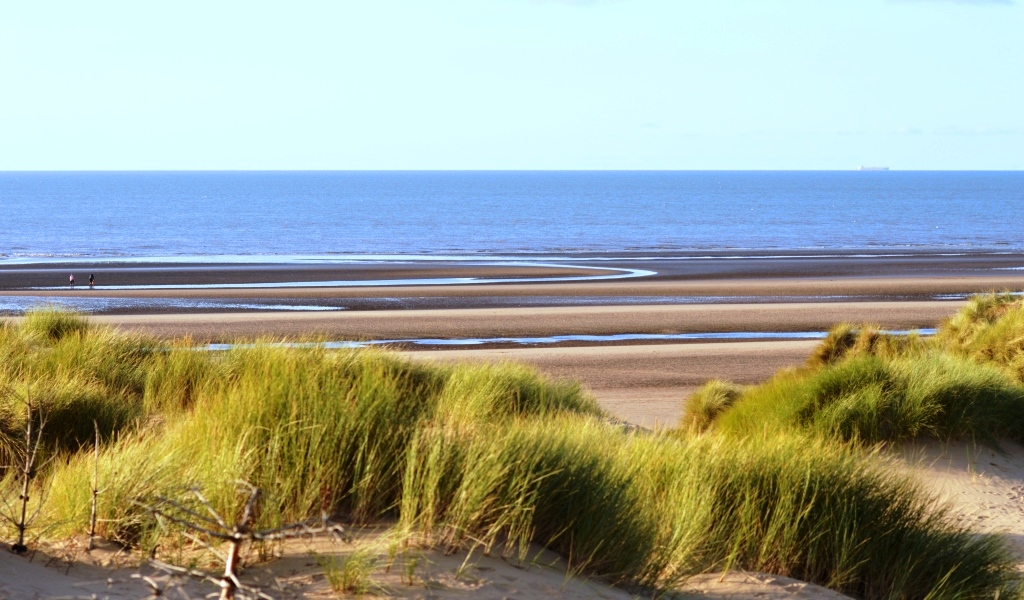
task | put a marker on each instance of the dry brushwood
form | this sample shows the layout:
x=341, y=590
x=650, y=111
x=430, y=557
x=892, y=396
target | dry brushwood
x=95, y=487
x=27, y=466
x=214, y=527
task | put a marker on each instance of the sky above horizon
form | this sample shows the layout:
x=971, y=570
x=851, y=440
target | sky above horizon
x=512, y=84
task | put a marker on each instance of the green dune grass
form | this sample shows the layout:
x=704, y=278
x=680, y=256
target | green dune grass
x=990, y=329
x=862, y=384
x=871, y=399
x=704, y=405
x=468, y=456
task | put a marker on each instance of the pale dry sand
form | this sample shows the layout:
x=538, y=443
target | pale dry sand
x=406, y=572
x=984, y=487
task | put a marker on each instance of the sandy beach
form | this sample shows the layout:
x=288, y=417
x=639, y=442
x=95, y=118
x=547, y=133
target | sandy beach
x=535, y=322
x=370, y=285
x=640, y=381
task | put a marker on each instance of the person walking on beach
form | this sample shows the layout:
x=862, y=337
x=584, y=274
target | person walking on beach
x=72, y=280
x=92, y=281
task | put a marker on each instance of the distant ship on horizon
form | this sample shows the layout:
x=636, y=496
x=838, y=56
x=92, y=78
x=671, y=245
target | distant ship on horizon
x=863, y=168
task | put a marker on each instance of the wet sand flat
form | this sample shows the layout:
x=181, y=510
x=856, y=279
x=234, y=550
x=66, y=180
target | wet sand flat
x=713, y=274
x=760, y=288
x=533, y=322
x=185, y=274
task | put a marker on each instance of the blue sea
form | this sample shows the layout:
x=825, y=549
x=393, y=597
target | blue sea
x=117, y=215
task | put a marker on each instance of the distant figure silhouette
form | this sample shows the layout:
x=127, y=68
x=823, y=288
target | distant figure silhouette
x=92, y=280
x=72, y=280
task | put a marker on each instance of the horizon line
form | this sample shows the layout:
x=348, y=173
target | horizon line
x=722, y=170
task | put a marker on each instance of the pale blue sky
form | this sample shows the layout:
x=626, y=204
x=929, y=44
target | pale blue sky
x=512, y=84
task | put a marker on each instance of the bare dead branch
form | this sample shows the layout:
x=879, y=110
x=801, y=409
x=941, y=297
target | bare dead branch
x=29, y=469
x=95, y=486
x=216, y=527
x=209, y=507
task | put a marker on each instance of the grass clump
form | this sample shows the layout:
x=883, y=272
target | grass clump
x=319, y=431
x=53, y=324
x=475, y=392
x=532, y=481
x=655, y=509
x=704, y=405
x=75, y=375
x=870, y=399
x=990, y=330
x=350, y=573
x=866, y=385
x=847, y=340
x=813, y=510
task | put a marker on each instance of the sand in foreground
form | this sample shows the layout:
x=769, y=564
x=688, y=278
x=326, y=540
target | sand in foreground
x=983, y=488
x=434, y=574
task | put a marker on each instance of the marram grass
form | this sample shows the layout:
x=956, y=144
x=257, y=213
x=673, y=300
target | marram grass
x=865, y=385
x=871, y=399
x=704, y=405
x=990, y=329
x=462, y=455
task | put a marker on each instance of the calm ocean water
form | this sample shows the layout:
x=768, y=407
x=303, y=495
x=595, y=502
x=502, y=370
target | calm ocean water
x=162, y=214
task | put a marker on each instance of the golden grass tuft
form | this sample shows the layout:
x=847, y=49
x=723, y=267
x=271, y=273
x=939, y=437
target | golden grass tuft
x=704, y=405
